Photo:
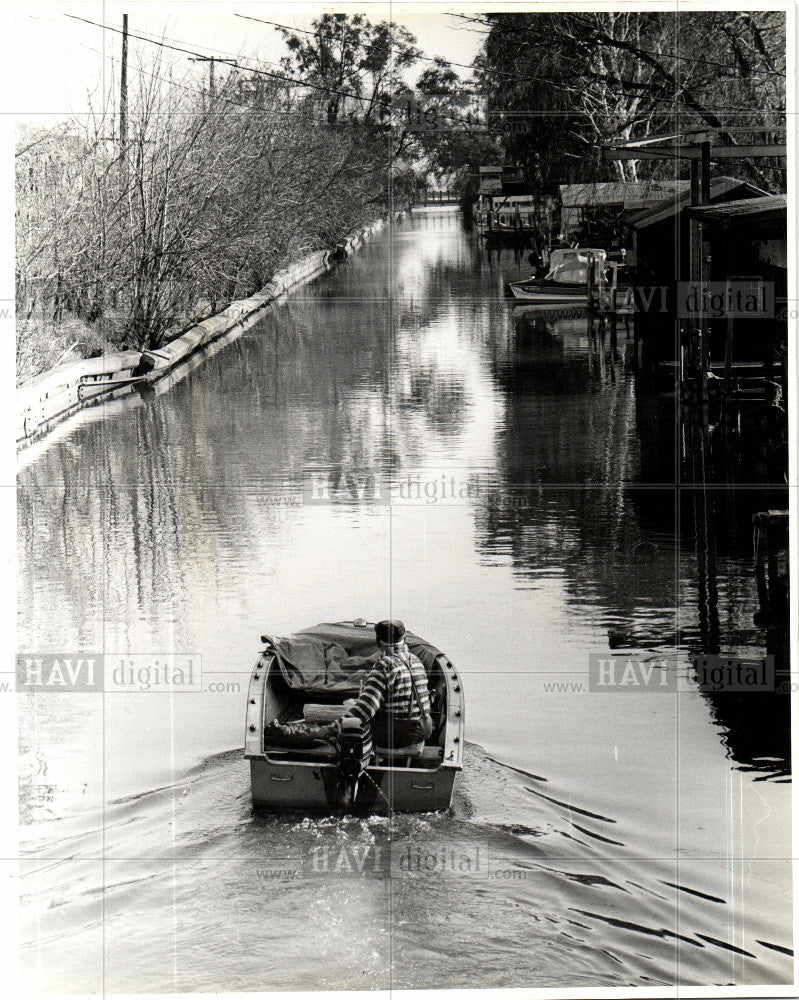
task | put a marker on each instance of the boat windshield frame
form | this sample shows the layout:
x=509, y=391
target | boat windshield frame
x=563, y=254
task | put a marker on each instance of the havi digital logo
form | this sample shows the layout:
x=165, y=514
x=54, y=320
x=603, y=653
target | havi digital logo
x=65, y=672
x=628, y=673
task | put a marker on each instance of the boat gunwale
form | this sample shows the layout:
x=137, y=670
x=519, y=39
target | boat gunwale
x=453, y=722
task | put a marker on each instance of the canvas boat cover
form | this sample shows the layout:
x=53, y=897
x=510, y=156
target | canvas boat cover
x=337, y=658
x=571, y=265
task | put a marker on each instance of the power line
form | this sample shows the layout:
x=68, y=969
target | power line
x=504, y=73
x=199, y=93
x=357, y=97
x=252, y=69
x=249, y=69
x=353, y=75
x=304, y=83
x=432, y=59
x=212, y=61
x=216, y=51
x=318, y=34
x=223, y=98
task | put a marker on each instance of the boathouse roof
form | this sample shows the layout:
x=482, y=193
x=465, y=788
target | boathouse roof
x=627, y=195
x=768, y=208
x=720, y=188
x=501, y=180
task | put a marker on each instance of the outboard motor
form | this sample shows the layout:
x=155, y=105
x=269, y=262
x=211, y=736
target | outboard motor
x=354, y=752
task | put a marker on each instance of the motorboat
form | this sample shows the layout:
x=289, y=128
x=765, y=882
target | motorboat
x=308, y=678
x=567, y=280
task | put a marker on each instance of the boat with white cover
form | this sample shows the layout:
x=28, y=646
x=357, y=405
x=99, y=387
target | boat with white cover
x=566, y=282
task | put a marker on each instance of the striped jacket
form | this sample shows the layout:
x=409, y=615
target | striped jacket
x=388, y=686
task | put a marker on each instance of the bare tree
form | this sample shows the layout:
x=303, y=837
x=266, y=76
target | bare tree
x=207, y=199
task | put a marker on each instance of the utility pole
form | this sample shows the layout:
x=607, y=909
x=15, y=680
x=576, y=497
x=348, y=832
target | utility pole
x=212, y=61
x=211, y=81
x=123, y=90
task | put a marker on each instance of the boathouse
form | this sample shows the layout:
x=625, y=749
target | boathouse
x=661, y=240
x=601, y=213
x=505, y=206
x=748, y=259
x=660, y=253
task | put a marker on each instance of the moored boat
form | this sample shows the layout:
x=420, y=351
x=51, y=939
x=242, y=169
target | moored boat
x=549, y=293
x=308, y=677
x=567, y=281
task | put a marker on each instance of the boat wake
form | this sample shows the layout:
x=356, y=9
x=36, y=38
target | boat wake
x=412, y=900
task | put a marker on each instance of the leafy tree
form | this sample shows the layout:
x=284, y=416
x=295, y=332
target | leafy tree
x=584, y=77
x=653, y=72
x=450, y=137
x=352, y=62
x=525, y=84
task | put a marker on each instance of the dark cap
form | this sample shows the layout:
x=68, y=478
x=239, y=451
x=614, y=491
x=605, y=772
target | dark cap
x=389, y=631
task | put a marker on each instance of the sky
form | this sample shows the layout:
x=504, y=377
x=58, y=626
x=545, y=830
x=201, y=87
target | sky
x=58, y=60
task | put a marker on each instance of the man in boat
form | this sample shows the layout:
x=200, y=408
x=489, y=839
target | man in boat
x=394, y=702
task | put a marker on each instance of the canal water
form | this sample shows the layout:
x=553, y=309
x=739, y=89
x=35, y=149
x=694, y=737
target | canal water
x=396, y=440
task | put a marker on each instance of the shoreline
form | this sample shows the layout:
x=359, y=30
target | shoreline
x=54, y=396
